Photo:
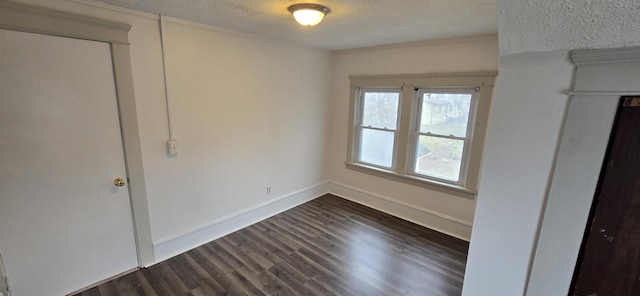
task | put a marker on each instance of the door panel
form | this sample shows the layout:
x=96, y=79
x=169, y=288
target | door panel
x=63, y=223
x=610, y=261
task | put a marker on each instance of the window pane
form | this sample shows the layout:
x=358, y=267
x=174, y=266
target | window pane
x=380, y=109
x=445, y=114
x=376, y=147
x=438, y=157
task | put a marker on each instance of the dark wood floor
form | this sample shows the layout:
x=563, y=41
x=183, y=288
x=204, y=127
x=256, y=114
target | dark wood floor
x=328, y=246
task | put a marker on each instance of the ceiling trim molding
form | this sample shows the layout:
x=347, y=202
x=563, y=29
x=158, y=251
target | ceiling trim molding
x=18, y=17
x=605, y=56
x=420, y=43
x=458, y=79
x=114, y=8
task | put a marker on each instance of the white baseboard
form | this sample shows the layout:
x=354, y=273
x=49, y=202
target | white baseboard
x=182, y=242
x=437, y=221
x=177, y=244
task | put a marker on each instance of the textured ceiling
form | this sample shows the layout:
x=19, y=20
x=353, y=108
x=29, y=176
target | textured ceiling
x=546, y=25
x=351, y=23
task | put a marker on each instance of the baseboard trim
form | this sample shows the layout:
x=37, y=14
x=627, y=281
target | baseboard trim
x=179, y=243
x=437, y=221
x=176, y=244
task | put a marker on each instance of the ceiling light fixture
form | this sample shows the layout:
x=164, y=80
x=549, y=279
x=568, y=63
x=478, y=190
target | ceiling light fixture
x=308, y=14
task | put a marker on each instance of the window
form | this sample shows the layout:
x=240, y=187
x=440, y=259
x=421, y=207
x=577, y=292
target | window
x=441, y=134
x=423, y=129
x=378, y=126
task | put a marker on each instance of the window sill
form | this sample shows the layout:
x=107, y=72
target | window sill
x=451, y=189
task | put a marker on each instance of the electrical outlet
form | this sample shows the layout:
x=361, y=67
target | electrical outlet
x=268, y=190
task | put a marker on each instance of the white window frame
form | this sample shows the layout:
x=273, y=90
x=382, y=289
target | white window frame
x=480, y=84
x=360, y=127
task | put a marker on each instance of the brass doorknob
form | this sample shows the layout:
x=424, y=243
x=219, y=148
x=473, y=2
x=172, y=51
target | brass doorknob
x=119, y=182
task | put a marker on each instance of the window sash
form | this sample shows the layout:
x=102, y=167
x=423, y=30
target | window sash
x=360, y=127
x=361, y=155
x=461, y=173
x=440, y=136
x=416, y=133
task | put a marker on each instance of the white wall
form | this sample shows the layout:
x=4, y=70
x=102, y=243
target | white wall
x=524, y=126
x=439, y=209
x=534, y=75
x=249, y=113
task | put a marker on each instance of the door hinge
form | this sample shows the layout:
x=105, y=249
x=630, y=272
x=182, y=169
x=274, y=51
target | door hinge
x=631, y=102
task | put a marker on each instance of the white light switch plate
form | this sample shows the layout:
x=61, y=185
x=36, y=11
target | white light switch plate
x=173, y=147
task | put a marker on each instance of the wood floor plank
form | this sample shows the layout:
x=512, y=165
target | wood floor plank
x=239, y=281
x=246, y=258
x=163, y=271
x=317, y=289
x=186, y=275
x=280, y=259
x=287, y=277
x=246, y=246
x=129, y=285
x=108, y=289
x=91, y=292
x=309, y=258
x=149, y=281
x=226, y=257
x=328, y=246
x=213, y=259
x=254, y=285
x=325, y=227
x=202, y=275
x=200, y=261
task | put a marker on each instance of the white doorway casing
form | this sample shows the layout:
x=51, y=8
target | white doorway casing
x=602, y=77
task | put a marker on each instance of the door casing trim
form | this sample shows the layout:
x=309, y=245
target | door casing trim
x=602, y=76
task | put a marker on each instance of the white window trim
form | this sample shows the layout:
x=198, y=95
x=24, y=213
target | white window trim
x=403, y=158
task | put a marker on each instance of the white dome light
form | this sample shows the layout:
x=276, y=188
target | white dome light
x=308, y=14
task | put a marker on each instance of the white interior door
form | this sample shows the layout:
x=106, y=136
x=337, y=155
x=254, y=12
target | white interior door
x=63, y=222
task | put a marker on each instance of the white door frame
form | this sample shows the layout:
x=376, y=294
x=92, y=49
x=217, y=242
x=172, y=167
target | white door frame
x=18, y=17
x=602, y=76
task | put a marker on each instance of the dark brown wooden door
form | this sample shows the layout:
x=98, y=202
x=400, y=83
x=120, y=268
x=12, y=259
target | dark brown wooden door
x=610, y=258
